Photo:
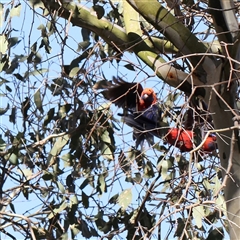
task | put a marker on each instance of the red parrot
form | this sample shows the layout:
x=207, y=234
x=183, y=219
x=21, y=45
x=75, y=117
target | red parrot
x=183, y=139
x=210, y=144
x=180, y=138
x=140, y=102
x=130, y=95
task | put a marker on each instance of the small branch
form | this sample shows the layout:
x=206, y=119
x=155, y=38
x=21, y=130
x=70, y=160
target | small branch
x=45, y=140
x=145, y=199
x=22, y=217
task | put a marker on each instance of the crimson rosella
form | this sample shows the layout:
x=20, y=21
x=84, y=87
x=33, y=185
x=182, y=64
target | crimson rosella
x=130, y=95
x=210, y=144
x=183, y=139
x=139, y=102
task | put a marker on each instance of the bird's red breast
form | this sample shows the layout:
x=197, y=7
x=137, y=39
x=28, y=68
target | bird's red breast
x=147, y=98
x=180, y=138
x=210, y=144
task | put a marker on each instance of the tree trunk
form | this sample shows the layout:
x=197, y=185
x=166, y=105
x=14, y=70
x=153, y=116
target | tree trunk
x=222, y=106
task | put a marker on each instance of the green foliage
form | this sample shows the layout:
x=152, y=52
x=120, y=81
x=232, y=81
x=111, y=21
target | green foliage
x=65, y=152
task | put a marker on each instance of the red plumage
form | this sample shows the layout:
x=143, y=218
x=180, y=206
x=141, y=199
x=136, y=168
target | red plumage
x=147, y=99
x=210, y=144
x=183, y=139
x=180, y=138
x=138, y=101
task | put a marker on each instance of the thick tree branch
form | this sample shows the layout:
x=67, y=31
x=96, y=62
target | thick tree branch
x=165, y=71
x=171, y=27
x=224, y=19
x=111, y=33
x=177, y=33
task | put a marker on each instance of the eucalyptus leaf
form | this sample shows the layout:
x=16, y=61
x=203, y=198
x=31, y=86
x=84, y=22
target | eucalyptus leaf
x=4, y=110
x=74, y=72
x=101, y=186
x=49, y=116
x=198, y=213
x=13, y=159
x=125, y=198
x=38, y=100
x=3, y=43
x=59, y=145
x=16, y=11
x=61, y=187
x=85, y=200
x=99, y=11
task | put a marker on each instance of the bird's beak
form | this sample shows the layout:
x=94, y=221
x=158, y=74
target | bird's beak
x=145, y=96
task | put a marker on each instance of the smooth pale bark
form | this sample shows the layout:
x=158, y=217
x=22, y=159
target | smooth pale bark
x=230, y=161
x=223, y=104
x=164, y=70
x=130, y=40
x=171, y=27
x=176, y=32
x=220, y=103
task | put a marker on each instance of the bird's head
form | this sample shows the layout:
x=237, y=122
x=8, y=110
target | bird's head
x=148, y=97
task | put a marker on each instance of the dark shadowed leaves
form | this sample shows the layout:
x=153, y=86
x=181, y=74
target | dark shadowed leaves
x=13, y=41
x=148, y=170
x=19, y=76
x=38, y=100
x=85, y=200
x=70, y=183
x=101, y=184
x=85, y=229
x=47, y=176
x=129, y=67
x=102, y=225
x=99, y=11
x=4, y=110
x=215, y=234
x=49, y=116
x=180, y=227
x=45, y=43
x=114, y=199
x=12, y=116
